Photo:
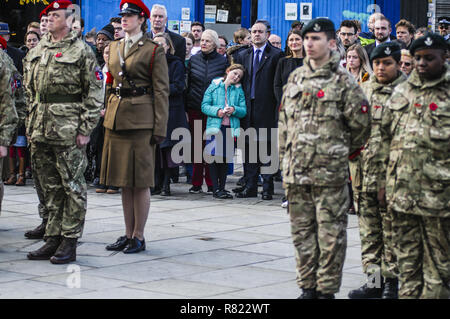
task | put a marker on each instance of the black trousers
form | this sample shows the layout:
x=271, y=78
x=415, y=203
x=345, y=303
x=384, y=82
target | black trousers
x=218, y=172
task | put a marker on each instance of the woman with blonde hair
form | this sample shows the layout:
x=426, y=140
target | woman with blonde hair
x=406, y=62
x=358, y=63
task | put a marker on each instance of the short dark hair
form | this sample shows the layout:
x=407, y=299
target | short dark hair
x=196, y=23
x=115, y=20
x=405, y=23
x=331, y=35
x=265, y=22
x=383, y=18
x=349, y=24
x=224, y=39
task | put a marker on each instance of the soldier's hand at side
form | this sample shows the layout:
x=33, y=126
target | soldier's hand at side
x=3, y=151
x=382, y=197
x=155, y=139
x=102, y=113
x=82, y=140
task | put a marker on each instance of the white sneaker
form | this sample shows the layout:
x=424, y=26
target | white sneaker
x=285, y=204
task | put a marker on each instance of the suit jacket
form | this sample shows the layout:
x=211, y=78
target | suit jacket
x=263, y=112
x=149, y=111
x=17, y=56
x=369, y=48
x=179, y=43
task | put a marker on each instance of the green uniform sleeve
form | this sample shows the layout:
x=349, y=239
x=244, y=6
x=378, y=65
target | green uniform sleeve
x=8, y=114
x=92, y=94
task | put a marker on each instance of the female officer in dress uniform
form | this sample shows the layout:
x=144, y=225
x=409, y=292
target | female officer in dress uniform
x=135, y=120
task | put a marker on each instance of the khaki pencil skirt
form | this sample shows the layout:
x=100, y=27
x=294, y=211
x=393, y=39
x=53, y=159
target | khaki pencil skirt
x=128, y=159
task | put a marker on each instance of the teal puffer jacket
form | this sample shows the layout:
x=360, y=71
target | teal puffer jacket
x=214, y=100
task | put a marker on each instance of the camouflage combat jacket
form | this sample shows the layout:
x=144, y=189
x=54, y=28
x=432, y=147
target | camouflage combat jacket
x=64, y=90
x=416, y=145
x=372, y=164
x=324, y=118
x=18, y=92
x=8, y=114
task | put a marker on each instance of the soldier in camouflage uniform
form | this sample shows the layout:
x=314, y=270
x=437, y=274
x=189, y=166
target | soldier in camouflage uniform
x=324, y=118
x=416, y=145
x=375, y=222
x=63, y=83
x=8, y=114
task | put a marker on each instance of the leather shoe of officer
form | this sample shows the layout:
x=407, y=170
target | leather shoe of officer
x=134, y=246
x=390, y=290
x=120, y=244
x=38, y=232
x=267, y=195
x=45, y=252
x=246, y=193
x=324, y=296
x=66, y=252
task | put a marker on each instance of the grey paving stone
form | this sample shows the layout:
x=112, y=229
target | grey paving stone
x=280, y=229
x=123, y=293
x=183, y=288
x=243, y=236
x=270, y=248
x=284, y=290
x=34, y=289
x=241, y=277
x=86, y=281
x=282, y=264
x=210, y=225
x=35, y=267
x=141, y=272
x=7, y=276
x=221, y=258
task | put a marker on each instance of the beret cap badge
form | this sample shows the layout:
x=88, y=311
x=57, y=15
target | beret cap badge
x=125, y=5
x=317, y=27
x=429, y=42
x=388, y=51
x=56, y=5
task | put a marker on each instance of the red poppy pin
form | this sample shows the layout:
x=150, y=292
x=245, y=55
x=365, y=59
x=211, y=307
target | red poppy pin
x=418, y=105
x=58, y=55
x=433, y=106
x=320, y=94
x=364, y=108
x=377, y=106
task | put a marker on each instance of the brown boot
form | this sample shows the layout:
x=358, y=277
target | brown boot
x=66, y=252
x=45, y=252
x=21, y=179
x=38, y=232
x=12, y=172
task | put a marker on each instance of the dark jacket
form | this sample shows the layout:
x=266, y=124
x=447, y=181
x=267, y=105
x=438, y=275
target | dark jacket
x=284, y=68
x=202, y=69
x=177, y=115
x=179, y=43
x=233, y=52
x=16, y=55
x=265, y=112
x=369, y=48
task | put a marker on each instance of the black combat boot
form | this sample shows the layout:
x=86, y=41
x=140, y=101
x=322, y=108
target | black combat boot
x=66, y=252
x=308, y=294
x=390, y=290
x=365, y=292
x=324, y=296
x=45, y=252
x=38, y=232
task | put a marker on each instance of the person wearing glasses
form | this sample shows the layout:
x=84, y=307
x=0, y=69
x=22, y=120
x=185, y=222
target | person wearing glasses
x=444, y=27
x=406, y=62
x=348, y=33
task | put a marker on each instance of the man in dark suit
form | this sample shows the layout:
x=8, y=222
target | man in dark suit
x=15, y=54
x=382, y=31
x=158, y=20
x=260, y=62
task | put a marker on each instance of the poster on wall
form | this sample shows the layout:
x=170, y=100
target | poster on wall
x=210, y=13
x=222, y=16
x=174, y=26
x=185, y=26
x=290, y=10
x=305, y=11
x=185, y=13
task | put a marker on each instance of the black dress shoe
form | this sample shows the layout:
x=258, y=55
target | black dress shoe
x=134, y=246
x=324, y=296
x=119, y=245
x=222, y=195
x=38, y=232
x=238, y=189
x=390, y=290
x=366, y=292
x=308, y=294
x=155, y=191
x=267, y=196
x=246, y=193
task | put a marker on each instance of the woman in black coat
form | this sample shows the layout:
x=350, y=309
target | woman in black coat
x=165, y=166
x=203, y=67
x=286, y=65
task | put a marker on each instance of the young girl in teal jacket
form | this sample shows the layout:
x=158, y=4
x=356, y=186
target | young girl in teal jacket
x=224, y=104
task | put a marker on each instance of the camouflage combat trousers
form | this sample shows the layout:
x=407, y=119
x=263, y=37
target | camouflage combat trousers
x=43, y=211
x=422, y=246
x=60, y=173
x=375, y=230
x=318, y=225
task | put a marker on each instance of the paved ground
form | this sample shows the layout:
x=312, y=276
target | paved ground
x=197, y=247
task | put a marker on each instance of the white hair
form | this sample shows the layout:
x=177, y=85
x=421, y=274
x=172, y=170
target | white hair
x=213, y=35
x=161, y=7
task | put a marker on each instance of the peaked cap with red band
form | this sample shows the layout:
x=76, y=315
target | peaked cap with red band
x=3, y=43
x=134, y=7
x=58, y=5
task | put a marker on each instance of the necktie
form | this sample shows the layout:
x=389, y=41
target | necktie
x=128, y=45
x=255, y=69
